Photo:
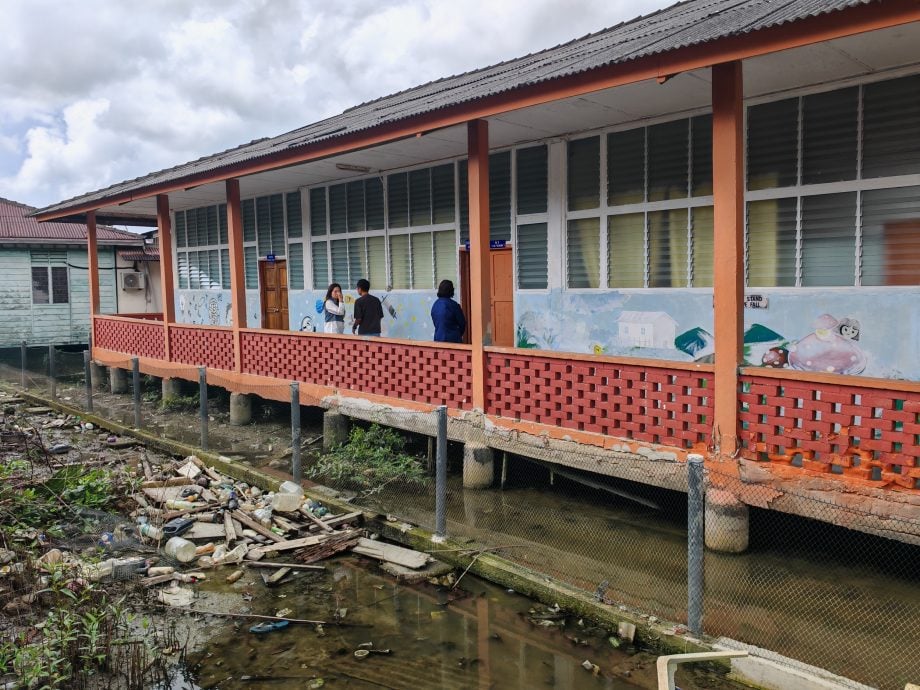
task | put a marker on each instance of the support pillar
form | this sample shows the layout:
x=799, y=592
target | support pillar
x=164, y=228
x=240, y=409
x=478, y=466
x=237, y=275
x=118, y=380
x=97, y=374
x=728, y=257
x=172, y=388
x=335, y=429
x=480, y=315
x=727, y=522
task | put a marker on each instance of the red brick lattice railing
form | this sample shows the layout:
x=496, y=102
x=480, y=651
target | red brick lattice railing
x=428, y=373
x=201, y=346
x=867, y=430
x=641, y=400
x=143, y=338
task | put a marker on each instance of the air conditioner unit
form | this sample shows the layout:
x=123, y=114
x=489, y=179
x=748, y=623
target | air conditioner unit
x=133, y=280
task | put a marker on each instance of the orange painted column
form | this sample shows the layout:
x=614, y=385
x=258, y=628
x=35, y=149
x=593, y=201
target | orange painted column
x=92, y=263
x=728, y=259
x=164, y=227
x=480, y=316
x=237, y=273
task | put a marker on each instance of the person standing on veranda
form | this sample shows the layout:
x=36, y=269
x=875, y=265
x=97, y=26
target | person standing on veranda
x=334, y=310
x=368, y=311
x=447, y=316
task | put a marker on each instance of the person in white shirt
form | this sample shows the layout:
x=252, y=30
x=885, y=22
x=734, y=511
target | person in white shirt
x=334, y=310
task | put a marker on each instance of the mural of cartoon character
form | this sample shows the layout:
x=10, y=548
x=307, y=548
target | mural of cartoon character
x=831, y=348
x=307, y=325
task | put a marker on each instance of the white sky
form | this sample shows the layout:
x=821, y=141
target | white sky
x=94, y=92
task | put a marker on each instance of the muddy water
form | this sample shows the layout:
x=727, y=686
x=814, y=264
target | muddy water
x=821, y=594
x=477, y=636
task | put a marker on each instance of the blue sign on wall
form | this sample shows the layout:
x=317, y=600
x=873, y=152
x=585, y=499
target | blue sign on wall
x=493, y=244
x=270, y=257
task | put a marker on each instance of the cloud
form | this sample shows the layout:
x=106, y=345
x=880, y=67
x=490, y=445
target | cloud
x=96, y=92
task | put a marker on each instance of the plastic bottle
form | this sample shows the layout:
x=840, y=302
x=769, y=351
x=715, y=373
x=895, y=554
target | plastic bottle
x=286, y=502
x=180, y=505
x=290, y=488
x=181, y=549
x=263, y=514
x=151, y=531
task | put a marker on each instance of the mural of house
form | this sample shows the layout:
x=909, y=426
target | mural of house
x=646, y=329
x=651, y=175
x=44, y=281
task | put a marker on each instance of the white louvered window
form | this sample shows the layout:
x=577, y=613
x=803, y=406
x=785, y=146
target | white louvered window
x=637, y=200
x=531, y=245
x=832, y=194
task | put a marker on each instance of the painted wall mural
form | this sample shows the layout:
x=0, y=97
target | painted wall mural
x=855, y=331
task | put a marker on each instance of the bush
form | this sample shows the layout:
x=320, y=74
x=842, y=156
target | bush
x=371, y=459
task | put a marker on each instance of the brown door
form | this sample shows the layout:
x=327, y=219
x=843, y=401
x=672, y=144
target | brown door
x=501, y=268
x=502, y=297
x=274, y=294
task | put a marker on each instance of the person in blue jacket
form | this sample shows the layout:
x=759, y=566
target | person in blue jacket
x=447, y=316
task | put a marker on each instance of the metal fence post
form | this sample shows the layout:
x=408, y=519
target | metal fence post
x=22, y=357
x=88, y=375
x=136, y=383
x=51, y=380
x=296, y=469
x=440, y=492
x=203, y=405
x=696, y=496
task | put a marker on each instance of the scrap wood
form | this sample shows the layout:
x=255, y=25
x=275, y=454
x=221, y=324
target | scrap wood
x=276, y=577
x=204, y=468
x=257, y=553
x=391, y=553
x=229, y=530
x=287, y=525
x=158, y=579
x=310, y=516
x=339, y=519
x=341, y=541
x=293, y=566
x=255, y=526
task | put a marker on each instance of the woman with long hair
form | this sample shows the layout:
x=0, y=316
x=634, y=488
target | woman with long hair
x=334, y=310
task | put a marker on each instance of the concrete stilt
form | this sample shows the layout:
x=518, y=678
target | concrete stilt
x=335, y=429
x=118, y=380
x=240, y=409
x=727, y=522
x=172, y=388
x=478, y=466
x=97, y=374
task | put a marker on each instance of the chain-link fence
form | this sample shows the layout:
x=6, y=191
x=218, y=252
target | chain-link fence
x=825, y=590
x=837, y=589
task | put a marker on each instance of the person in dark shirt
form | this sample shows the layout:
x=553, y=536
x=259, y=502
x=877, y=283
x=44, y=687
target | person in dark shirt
x=368, y=311
x=447, y=316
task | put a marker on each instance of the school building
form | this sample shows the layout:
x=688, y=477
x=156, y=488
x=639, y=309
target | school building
x=697, y=231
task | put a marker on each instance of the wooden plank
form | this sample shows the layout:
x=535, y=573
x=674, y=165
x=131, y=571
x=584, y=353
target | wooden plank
x=255, y=526
x=391, y=553
x=229, y=529
x=332, y=522
x=292, y=566
x=257, y=553
x=310, y=516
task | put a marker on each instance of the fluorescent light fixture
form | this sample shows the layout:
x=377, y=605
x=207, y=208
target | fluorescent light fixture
x=353, y=168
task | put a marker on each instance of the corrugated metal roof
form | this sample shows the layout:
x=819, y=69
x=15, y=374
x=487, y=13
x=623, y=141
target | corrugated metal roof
x=17, y=227
x=147, y=253
x=682, y=25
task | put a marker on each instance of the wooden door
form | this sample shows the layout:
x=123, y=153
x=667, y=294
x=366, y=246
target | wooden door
x=501, y=269
x=502, y=299
x=273, y=292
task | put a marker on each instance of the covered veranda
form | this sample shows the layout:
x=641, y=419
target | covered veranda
x=778, y=427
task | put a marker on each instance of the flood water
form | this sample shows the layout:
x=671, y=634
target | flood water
x=825, y=595
x=477, y=636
